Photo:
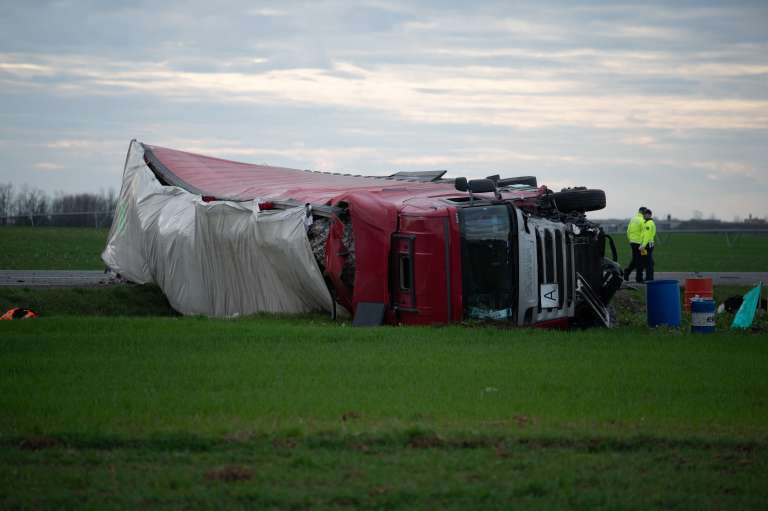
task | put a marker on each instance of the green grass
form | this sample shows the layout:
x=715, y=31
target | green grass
x=704, y=252
x=113, y=300
x=396, y=472
x=52, y=248
x=120, y=412
x=77, y=248
x=137, y=376
x=60, y=343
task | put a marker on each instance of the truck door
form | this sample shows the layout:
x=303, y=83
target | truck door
x=420, y=281
x=402, y=284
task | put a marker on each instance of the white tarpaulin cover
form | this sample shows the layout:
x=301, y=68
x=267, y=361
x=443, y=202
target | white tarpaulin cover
x=218, y=258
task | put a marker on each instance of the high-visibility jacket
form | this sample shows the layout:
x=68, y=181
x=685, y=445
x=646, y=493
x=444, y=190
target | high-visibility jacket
x=635, y=229
x=649, y=234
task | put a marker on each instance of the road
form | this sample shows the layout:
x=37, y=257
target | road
x=84, y=278
x=56, y=278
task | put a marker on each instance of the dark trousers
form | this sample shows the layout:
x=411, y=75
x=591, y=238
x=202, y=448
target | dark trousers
x=646, y=265
x=635, y=263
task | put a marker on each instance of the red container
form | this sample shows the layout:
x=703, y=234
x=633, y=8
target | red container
x=700, y=287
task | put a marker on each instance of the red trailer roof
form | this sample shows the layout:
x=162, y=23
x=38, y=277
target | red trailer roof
x=227, y=179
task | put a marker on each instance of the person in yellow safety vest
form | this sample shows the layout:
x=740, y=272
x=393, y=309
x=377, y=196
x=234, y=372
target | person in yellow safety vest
x=635, y=237
x=646, y=247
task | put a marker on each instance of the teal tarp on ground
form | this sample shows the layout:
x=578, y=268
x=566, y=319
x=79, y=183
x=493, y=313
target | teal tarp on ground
x=746, y=313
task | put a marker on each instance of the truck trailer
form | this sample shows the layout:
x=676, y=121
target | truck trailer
x=407, y=248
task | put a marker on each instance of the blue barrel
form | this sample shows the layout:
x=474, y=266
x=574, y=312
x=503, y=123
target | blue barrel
x=662, y=299
x=703, y=315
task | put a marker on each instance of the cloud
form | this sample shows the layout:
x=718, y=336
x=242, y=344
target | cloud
x=642, y=140
x=645, y=31
x=48, y=166
x=71, y=144
x=24, y=68
x=83, y=144
x=480, y=156
x=266, y=12
x=731, y=170
x=485, y=24
x=482, y=95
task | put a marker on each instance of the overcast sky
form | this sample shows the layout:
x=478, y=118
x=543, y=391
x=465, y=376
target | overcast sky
x=661, y=104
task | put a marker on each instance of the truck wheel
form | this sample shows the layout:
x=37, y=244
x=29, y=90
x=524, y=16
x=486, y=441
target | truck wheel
x=579, y=199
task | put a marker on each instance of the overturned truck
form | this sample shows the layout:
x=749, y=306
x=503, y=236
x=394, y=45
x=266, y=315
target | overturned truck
x=223, y=238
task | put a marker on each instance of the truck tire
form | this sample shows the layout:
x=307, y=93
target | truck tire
x=579, y=199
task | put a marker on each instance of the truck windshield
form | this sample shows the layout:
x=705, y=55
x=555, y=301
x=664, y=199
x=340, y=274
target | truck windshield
x=487, y=257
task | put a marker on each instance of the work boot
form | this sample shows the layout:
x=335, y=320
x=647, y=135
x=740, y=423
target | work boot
x=626, y=275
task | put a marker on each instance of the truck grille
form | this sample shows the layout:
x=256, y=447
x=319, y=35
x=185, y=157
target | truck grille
x=546, y=262
x=554, y=260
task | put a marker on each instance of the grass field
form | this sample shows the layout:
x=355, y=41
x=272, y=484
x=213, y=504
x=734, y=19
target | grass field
x=28, y=248
x=213, y=377
x=119, y=300
x=264, y=412
x=398, y=472
x=704, y=252
x=52, y=248
x=112, y=401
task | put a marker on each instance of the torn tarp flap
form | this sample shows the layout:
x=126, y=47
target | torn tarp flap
x=217, y=258
x=746, y=313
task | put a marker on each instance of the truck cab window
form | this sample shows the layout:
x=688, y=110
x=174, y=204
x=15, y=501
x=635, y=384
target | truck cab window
x=488, y=257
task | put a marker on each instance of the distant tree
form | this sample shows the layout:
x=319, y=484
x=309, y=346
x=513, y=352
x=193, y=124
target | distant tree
x=30, y=205
x=84, y=209
x=755, y=221
x=6, y=202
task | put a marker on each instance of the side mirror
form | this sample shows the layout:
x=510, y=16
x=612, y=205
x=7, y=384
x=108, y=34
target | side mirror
x=482, y=186
x=460, y=183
